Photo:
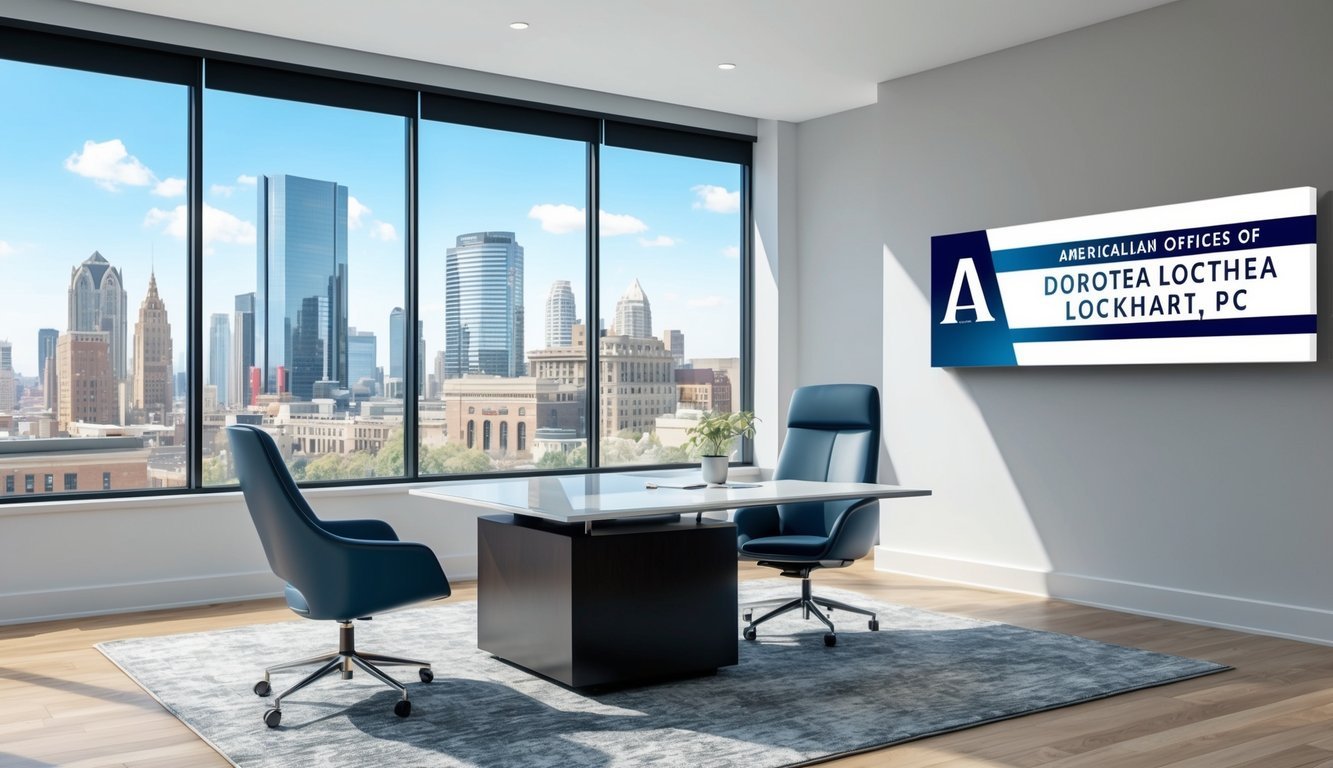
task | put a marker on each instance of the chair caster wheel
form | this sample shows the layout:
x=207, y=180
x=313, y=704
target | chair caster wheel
x=426, y=675
x=749, y=633
x=403, y=708
x=830, y=639
x=874, y=625
x=747, y=617
x=272, y=717
x=262, y=688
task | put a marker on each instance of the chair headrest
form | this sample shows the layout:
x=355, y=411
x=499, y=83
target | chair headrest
x=835, y=406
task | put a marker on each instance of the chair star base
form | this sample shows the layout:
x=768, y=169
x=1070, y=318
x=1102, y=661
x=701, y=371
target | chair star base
x=344, y=661
x=809, y=604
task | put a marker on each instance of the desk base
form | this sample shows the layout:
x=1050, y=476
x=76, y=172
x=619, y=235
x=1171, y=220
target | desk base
x=618, y=605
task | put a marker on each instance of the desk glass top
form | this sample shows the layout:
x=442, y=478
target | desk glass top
x=582, y=498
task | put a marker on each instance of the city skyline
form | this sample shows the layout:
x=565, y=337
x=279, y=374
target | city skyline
x=124, y=170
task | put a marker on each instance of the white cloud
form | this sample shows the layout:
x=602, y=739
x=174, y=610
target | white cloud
x=612, y=224
x=109, y=164
x=355, y=212
x=716, y=199
x=170, y=187
x=247, y=180
x=732, y=251
x=383, y=230
x=221, y=190
x=219, y=226
x=563, y=218
x=558, y=219
x=6, y=249
x=661, y=241
x=707, y=301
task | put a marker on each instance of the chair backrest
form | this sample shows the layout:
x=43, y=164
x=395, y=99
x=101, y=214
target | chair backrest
x=299, y=551
x=832, y=434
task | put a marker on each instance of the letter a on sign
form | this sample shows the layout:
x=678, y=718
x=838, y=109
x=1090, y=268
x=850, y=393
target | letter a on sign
x=967, y=270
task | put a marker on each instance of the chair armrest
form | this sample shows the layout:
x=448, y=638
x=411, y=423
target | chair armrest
x=853, y=533
x=366, y=530
x=756, y=523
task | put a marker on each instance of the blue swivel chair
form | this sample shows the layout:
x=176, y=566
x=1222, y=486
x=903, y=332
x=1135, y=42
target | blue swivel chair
x=337, y=570
x=832, y=434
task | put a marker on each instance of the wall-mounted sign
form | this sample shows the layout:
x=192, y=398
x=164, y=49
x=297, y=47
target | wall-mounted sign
x=1216, y=281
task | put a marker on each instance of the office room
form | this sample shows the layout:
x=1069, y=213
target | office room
x=997, y=321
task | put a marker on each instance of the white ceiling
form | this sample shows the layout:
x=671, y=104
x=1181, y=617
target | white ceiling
x=796, y=59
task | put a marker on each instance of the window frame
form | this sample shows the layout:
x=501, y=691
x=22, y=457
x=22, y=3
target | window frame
x=55, y=46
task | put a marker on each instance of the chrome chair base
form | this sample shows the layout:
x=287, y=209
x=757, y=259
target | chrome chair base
x=345, y=660
x=809, y=604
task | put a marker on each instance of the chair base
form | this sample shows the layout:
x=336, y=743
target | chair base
x=809, y=604
x=344, y=661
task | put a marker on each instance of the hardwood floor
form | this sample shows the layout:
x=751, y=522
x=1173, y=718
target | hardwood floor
x=63, y=703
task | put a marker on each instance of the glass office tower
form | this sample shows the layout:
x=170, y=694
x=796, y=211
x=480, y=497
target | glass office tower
x=559, y=314
x=362, y=357
x=242, y=351
x=483, y=306
x=219, y=354
x=301, y=300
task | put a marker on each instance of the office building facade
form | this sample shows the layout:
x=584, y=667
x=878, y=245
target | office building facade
x=7, y=384
x=98, y=302
x=301, y=297
x=634, y=314
x=483, y=306
x=85, y=381
x=153, y=390
x=398, y=348
x=242, y=350
x=46, y=350
x=219, y=354
x=560, y=314
x=362, y=353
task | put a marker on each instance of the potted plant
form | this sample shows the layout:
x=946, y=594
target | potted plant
x=713, y=436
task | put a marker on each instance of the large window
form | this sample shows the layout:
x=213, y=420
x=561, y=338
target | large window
x=670, y=301
x=503, y=294
x=393, y=283
x=93, y=253
x=304, y=278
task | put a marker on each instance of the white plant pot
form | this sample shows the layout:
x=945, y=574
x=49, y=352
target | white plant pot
x=714, y=469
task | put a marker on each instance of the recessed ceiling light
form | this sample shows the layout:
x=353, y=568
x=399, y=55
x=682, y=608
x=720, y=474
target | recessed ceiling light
x=519, y=25
x=726, y=65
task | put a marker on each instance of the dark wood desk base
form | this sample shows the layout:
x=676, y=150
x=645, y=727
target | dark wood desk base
x=617, y=605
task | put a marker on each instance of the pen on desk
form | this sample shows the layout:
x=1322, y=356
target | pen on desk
x=655, y=486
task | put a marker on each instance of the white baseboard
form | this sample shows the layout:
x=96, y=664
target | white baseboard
x=1294, y=622
x=104, y=599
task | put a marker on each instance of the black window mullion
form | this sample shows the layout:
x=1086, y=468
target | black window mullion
x=592, y=329
x=412, y=335
x=746, y=383
x=194, y=274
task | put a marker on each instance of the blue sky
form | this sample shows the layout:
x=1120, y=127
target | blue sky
x=98, y=163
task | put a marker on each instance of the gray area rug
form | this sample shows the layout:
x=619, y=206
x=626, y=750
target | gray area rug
x=790, y=701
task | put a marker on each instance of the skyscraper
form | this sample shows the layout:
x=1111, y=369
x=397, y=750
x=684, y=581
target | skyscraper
x=301, y=301
x=559, y=314
x=152, y=357
x=46, y=349
x=97, y=302
x=6, y=376
x=675, y=341
x=219, y=354
x=242, y=350
x=87, y=386
x=634, y=316
x=361, y=357
x=398, y=347
x=483, y=305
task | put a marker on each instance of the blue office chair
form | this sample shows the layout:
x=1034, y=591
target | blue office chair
x=832, y=434
x=338, y=570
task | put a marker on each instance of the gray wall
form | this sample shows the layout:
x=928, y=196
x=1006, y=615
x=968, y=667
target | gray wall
x=1204, y=492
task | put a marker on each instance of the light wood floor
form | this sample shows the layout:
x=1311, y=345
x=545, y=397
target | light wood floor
x=63, y=703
